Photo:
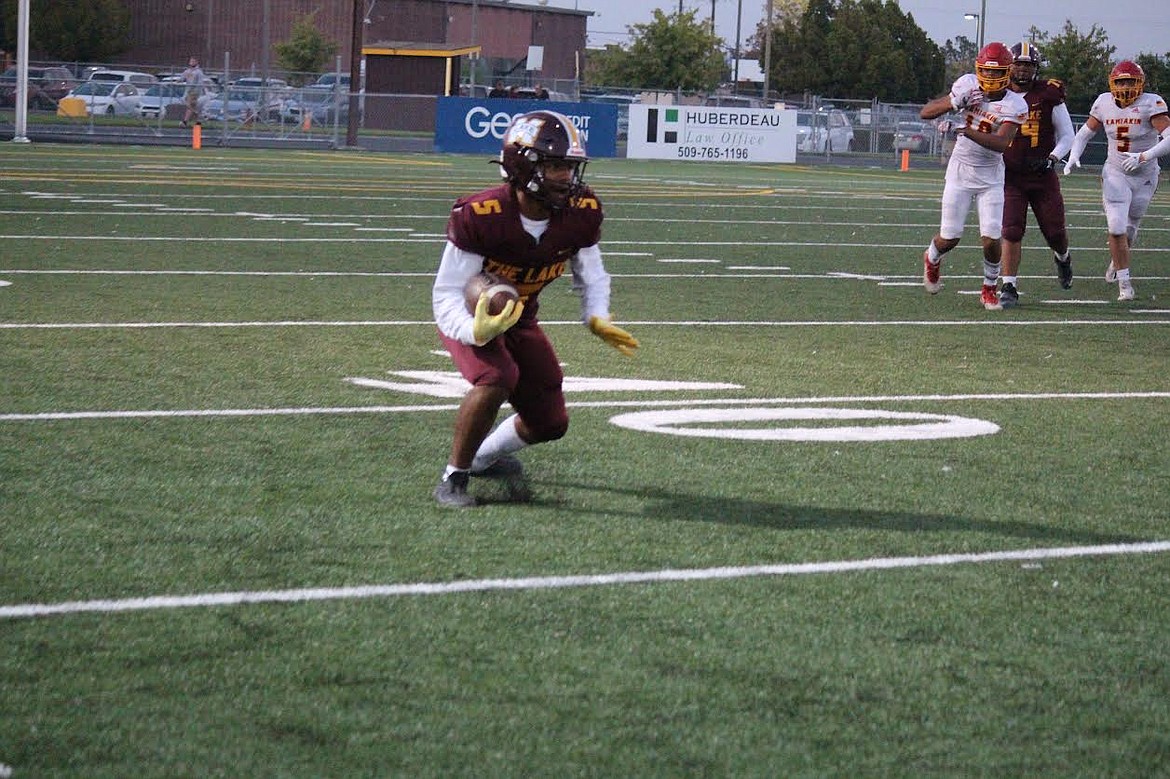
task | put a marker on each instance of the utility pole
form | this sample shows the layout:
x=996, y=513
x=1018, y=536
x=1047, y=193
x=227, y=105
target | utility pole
x=355, y=73
x=767, y=50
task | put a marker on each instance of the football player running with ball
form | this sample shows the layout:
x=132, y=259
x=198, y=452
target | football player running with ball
x=1030, y=171
x=529, y=230
x=991, y=115
x=1138, y=129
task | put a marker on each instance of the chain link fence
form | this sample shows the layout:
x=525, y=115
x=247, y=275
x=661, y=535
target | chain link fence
x=252, y=108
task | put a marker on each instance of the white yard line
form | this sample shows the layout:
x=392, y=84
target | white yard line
x=159, y=602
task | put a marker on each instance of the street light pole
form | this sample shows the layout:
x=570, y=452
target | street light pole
x=738, y=24
x=978, y=29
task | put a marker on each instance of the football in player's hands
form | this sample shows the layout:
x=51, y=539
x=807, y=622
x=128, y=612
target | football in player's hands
x=499, y=290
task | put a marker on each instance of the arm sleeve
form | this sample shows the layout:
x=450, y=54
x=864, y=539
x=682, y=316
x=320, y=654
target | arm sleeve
x=1160, y=148
x=1080, y=141
x=1064, y=131
x=456, y=267
x=591, y=282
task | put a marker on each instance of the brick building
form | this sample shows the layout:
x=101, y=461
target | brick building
x=169, y=31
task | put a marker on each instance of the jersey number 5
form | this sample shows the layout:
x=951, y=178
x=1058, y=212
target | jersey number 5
x=1122, y=137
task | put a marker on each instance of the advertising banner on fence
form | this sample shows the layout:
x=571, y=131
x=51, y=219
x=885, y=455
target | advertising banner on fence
x=669, y=132
x=468, y=125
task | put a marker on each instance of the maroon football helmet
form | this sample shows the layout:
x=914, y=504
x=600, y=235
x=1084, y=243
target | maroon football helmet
x=1127, y=81
x=1025, y=53
x=534, y=139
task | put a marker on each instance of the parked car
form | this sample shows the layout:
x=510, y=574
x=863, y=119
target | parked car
x=474, y=90
x=529, y=93
x=156, y=99
x=120, y=98
x=135, y=77
x=320, y=103
x=733, y=101
x=330, y=80
x=823, y=131
x=248, y=99
x=913, y=136
x=46, y=86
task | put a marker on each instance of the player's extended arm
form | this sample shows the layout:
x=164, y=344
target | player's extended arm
x=613, y=335
x=1160, y=148
x=937, y=107
x=1083, y=136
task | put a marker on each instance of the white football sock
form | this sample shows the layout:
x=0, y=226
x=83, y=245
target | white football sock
x=990, y=273
x=501, y=441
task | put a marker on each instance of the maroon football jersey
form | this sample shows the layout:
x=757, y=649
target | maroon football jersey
x=1037, y=137
x=488, y=223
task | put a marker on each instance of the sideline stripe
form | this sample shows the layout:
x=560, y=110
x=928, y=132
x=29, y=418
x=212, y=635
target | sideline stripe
x=561, y=582
x=53, y=416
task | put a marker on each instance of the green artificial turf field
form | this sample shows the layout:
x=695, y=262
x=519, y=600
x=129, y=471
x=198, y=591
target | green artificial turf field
x=823, y=524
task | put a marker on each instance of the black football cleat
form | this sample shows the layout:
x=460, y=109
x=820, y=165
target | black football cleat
x=1009, y=296
x=510, y=472
x=452, y=492
x=1063, y=271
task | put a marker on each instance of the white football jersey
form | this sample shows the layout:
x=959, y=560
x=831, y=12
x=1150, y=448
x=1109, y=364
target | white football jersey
x=1129, y=129
x=987, y=117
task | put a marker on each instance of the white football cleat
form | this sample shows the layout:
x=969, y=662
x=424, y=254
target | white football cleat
x=1111, y=273
x=1125, y=292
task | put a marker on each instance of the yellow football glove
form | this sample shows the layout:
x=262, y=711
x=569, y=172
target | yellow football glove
x=486, y=326
x=613, y=335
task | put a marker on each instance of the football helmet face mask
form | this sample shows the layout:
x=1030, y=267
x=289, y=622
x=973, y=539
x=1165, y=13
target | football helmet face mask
x=1026, y=61
x=993, y=68
x=539, y=147
x=1127, y=81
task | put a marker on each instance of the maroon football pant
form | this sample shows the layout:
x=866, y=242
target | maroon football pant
x=522, y=361
x=1042, y=193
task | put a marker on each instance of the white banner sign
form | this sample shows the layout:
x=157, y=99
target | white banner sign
x=668, y=132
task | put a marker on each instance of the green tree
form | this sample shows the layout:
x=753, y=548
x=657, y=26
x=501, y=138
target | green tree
x=959, y=56
x=675, y=51
x=70, y=30
x=1157, y=70
x=306, y=50
x=1082, y=62
x=603, y=66
x=860, y=49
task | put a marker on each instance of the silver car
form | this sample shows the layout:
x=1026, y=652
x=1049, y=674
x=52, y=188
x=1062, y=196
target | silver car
x=823, y=131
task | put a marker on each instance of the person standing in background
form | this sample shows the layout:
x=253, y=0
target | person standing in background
x=194, y=78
